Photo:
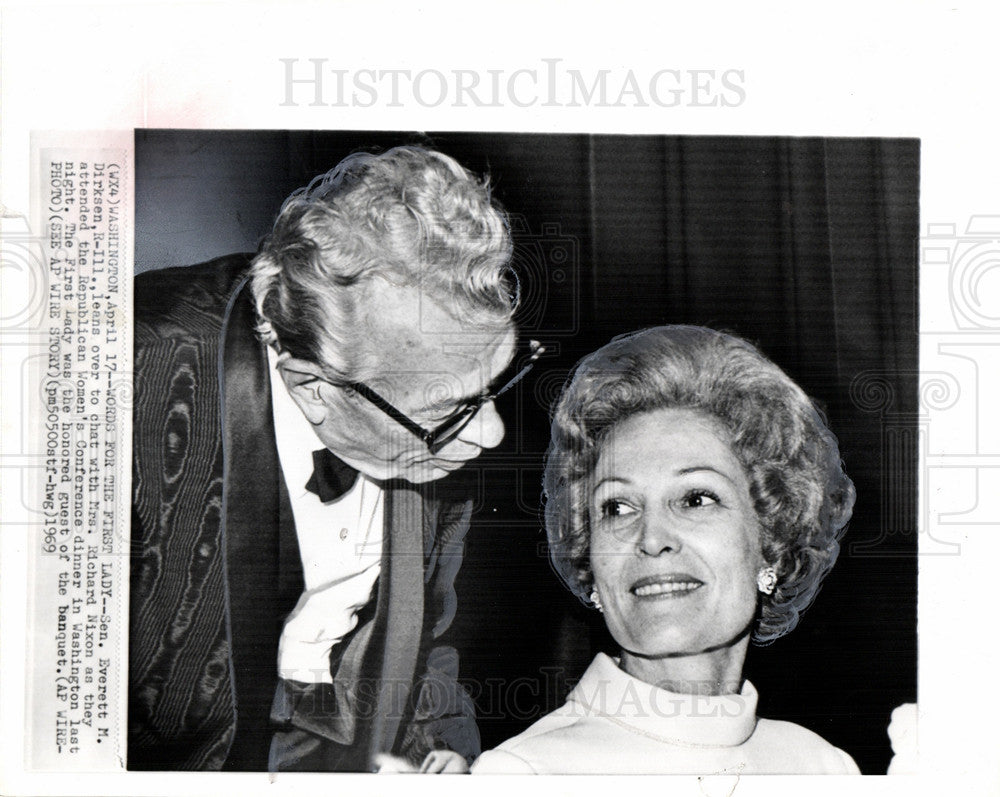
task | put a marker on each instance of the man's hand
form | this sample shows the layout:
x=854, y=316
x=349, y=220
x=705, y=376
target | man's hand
x=437, y=762
x=444, y=762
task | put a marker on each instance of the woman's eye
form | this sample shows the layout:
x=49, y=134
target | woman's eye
x=699, y=498
x=613, y=508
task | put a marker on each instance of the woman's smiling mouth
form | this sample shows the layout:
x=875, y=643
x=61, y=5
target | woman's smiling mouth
x=668, y=585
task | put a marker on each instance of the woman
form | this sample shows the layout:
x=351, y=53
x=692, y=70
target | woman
x=695, y=497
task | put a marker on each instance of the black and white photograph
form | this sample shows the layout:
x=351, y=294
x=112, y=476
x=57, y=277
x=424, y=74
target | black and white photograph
x=401, y=391
x=755, y=295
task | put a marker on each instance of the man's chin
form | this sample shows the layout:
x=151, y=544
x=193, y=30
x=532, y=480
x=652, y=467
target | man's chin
x=418, y=472
x=431, y=471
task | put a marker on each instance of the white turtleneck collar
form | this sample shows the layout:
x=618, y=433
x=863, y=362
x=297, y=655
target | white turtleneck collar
x=687, y=720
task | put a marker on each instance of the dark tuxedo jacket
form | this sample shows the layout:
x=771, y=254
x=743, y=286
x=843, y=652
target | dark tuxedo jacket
x=215, y=567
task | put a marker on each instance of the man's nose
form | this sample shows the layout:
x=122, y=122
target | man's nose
x=659, y=534
x=485, y=430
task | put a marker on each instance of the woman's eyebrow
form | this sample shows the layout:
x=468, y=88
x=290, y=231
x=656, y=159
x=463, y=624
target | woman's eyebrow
x=699, y=468
x=607, y=479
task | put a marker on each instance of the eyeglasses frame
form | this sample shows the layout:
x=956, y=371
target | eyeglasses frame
x=451, y=427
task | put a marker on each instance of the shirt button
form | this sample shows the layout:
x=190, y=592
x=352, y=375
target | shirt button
x=343, y=534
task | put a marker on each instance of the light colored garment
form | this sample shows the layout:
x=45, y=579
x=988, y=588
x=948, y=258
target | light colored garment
x=321, y=619
x=340, y=544
x=903, y=738
x=613, y=723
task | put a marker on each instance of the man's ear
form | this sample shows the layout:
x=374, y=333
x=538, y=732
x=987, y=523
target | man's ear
x=305, y=383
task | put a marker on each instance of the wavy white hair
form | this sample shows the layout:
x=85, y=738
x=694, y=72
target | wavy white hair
x=411, y=216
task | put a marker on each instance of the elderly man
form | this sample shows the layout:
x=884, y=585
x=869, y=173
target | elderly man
x=294, y=553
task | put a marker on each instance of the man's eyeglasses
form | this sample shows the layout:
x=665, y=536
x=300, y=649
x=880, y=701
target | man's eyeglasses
x=452, y=426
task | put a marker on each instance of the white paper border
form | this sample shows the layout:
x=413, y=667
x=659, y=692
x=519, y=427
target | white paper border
x=891, y=69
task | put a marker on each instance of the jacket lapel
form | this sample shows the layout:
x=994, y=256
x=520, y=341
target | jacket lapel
x=374, y=675
x=252, y=501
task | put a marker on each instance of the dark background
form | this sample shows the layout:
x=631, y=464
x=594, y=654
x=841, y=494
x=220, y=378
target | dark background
x=805, y=246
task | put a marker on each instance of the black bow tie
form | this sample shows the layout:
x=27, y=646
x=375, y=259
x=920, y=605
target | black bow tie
x=332, y=477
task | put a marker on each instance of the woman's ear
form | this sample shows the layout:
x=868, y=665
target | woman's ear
x=306, y=384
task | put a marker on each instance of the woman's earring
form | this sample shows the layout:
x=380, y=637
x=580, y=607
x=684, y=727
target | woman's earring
x=767, y=580
x=595, y=599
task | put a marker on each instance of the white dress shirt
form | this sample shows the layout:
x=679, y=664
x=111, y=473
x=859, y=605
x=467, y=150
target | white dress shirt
x=340, y=544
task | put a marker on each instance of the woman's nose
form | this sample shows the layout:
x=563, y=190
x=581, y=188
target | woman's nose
x=486, y=429
x=659, y=535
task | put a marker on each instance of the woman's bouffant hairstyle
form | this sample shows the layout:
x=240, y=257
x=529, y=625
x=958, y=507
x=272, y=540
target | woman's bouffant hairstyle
x=410, y=216
x=802, y=497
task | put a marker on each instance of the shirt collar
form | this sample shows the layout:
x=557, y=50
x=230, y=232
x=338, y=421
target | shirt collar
x=295, y=435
